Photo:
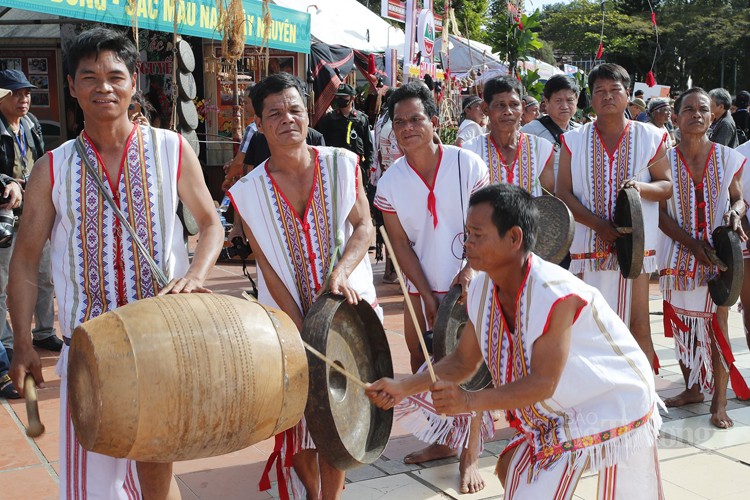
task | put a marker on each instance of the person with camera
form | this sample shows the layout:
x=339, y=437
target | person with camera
x=21, y=144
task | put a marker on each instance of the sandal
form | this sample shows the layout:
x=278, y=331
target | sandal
x=7, y=389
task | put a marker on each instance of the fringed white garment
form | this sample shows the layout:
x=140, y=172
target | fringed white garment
x=596, y=176
x=604, y=409
x=524, y=170
x=433, y=211
x=744, y=150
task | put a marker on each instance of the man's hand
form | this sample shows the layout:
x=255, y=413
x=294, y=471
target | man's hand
x=25, y=360
x=14, y=193
x=430, y=309
x=632, y=183
x=385, y=393
x=186, y=284
x=463, y=278
x=449, y=398
x=338, y=284
x=733, y=220
x=607, y=231
x=701, y=250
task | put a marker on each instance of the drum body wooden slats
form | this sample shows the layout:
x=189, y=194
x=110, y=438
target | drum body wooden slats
x=185, y=376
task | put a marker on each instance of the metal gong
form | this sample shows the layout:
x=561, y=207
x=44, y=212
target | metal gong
x=347, y=429
x=188, y=114
x=556, y=230
x=628, y=219
x=186, y=87
x=726, y=286
x=449, y=324
x=185, y=57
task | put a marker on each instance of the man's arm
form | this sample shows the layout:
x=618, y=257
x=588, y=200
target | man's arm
x=39, y=216
x=367, y=144
x=194, y=194
x=547, y=176
x=672, y=229
x=737, y=210
x=356, y=247
x=564, y=191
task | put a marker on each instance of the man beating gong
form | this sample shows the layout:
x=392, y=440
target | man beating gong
x=550, y=358
x=96, y=263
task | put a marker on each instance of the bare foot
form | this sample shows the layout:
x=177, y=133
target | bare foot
x=471, y=479
x=686, y=397
x=719, y=417
x=432, y=452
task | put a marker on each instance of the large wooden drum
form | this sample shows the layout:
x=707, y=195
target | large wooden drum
x=185, y=376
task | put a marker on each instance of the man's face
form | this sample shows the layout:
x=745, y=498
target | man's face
x=412, y=126
x=103, y=86
x=609, y=97
x=695, y=114
x=505, y=111
x=530, y=113
x=284, y=120
x=17, y=104
x=561, y=106
x=716, y=108
x=486, y=250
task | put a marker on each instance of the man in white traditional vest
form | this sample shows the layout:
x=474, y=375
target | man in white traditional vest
x=424, y=197
x=568, y=374
x=95, y=264
x=707, y=194
x=744, y=149
x=308, y=221
x=511, y=155
x=596, y=162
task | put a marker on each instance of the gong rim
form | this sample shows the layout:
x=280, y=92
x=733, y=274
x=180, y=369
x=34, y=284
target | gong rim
x=553, y=242
x=185, y=56
x=326, y=398
x=630, y=247
x=449, y=322
x=725, y=288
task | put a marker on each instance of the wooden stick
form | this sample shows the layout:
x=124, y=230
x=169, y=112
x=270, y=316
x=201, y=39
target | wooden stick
x=35, y=427
x=409, y=305
x=333, y=365
x=625, y=230
x=715, y=260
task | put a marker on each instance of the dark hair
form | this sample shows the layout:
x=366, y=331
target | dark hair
x=499, y=85
x=692, y=90
x=743, y=99
x=147, y=109
x=557, y=83
x=273, y=84
x=414, y=90
x=96, y=40
x=609, y=71
x=511, y=206
x=249, y=89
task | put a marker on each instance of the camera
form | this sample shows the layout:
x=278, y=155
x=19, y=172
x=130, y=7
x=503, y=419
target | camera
x=7, y=218
x=238, y=248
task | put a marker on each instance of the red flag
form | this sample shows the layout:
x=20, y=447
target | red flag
x=371, y=67
x=600, y=52
x=653, y=18
x=650, y=79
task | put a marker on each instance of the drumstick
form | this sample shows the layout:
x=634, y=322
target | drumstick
x=409, y=305
x=333, y=365
x=35, y=427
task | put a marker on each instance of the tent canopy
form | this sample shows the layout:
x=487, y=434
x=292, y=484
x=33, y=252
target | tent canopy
x=465, y=55
x=348, y=23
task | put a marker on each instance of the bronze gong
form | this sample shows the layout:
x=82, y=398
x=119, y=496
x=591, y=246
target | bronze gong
x=347, y=429
x=187, y=87
x=185, y=57
x=554, y=238
x=726, y=286
x=449, y=324
x=188, y=114
x=628, y=219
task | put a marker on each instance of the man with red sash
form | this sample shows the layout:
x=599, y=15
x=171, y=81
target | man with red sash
x=596, y=162
x=552, y=344
x=707, y=194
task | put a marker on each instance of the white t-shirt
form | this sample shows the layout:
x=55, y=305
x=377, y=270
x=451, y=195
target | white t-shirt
x=468, y=130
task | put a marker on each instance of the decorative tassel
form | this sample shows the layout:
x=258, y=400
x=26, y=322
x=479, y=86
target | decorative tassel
x=371, y=67
x=432, y=208
x=650, y=79
x=600, y=51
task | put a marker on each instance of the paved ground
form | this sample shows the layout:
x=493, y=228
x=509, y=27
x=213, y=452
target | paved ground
x=697, y=461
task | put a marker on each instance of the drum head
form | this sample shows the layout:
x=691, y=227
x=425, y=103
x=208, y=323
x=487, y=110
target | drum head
x=186, y=86
x=188, y=114
x=555, y=236
x=185, y=57
x=347, y=429
x=725, y=288
x=449, y=324
x=630, y=246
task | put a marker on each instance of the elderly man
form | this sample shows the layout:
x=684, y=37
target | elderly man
x=306, y=216
x=530, y=109
x=21, y=144
x=566, y=371
x=597, y=161
x=473, y=120
x=723, y=130
x=635, y=108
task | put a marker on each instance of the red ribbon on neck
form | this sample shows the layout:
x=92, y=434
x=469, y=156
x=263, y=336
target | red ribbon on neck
x=431, y=207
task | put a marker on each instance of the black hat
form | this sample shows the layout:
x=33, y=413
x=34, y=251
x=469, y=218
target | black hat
x=12, y=79
x=345, y=89
x=743, y=99
x=470, y=101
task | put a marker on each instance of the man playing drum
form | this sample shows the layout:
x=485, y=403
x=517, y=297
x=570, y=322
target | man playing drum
x=424, y=196
x=308, y=221
x=550, y=341
x=96, y=265
x=596, y=162
x=707, y=194
x=512, y=156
